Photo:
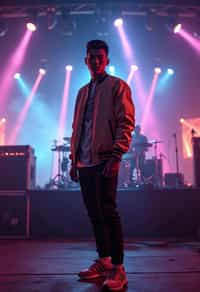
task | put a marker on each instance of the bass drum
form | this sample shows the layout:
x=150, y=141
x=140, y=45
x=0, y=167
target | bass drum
x=124, y=174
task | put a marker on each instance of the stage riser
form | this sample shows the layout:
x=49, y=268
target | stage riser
x=14, y=214
x=161, y=213
x=50, y=214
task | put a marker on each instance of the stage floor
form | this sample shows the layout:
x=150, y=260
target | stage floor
x=52, y=266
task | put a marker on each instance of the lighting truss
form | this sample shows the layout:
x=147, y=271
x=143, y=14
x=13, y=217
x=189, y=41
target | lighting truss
x=184, y=8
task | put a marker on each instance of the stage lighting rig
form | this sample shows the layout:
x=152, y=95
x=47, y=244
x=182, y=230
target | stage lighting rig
x=173, y=23
x=51, y=18
x=3, y=28
x=149, y=20
x=32, y=20
x=68, y=24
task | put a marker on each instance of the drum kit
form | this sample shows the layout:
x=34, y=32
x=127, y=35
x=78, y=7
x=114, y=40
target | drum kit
x=132, y=171
x=128, y=176
x=61, y=180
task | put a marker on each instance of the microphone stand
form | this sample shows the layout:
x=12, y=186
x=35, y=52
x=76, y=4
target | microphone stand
x=177, y=163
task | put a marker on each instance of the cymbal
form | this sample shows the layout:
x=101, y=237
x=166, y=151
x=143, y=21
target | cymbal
x=61, y=148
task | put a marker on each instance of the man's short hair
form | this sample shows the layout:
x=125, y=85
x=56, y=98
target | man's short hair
x=97, y=44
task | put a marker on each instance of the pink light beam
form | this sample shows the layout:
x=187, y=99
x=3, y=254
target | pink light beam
x=22, y=116
x=148, y=105
x=63, y=112
x=193, y=42
x=13, y=66
x=63, y=116
x=125, y=43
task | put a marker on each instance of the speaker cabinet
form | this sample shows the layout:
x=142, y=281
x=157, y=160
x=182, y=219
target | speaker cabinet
x=14, y=214
x=174, y=180
x=17, y=167
x=196, y=160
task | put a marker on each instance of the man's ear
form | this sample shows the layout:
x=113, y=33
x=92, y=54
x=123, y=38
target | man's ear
x=85, y=60
x=108, y=61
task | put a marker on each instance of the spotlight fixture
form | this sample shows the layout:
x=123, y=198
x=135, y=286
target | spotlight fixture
x=170, y=71
x=134, y=67
x=3, y=28
x=118, y=22
x=177, y=28
x=42, y=71
x=17, y=75
x=69, y=68
x=31, y=21
x=2, y=121
x=31, y=26
x=157, y=70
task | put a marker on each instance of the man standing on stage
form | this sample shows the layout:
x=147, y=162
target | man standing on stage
x=102, y=125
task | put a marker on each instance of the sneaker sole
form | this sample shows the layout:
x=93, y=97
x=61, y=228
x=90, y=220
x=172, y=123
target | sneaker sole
x=124, y=285
x=92, y=276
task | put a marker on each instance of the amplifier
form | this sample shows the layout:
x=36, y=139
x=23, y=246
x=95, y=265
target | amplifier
x=14, y=214
x=174, y=180
x=17, y=167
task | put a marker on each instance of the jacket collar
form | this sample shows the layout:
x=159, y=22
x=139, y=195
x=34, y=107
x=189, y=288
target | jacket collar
x=100, y=79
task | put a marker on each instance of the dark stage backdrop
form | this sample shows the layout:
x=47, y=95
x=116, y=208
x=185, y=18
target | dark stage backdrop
x=151, y=214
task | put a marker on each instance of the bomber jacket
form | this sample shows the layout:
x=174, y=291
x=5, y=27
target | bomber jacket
x=113, y=120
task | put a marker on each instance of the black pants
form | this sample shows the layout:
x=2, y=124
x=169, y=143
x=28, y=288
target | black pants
x=99, y=195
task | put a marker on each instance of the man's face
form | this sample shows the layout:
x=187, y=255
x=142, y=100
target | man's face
x=96, y=61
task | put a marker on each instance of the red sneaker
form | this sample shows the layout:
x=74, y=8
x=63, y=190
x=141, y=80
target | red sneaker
x=117, y=279
x=98, y=269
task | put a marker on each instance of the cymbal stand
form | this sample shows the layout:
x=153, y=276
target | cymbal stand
x=54, y=145
x=156, y=162
x=59, y=180
x=177, y=164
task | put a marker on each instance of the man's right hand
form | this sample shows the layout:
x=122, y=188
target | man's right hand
x=73, y=173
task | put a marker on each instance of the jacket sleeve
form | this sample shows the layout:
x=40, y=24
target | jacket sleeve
x=124, y=112
x=72, y=140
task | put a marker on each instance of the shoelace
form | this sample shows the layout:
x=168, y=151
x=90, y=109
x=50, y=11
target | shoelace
x=97, y=266
x=112, y=274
